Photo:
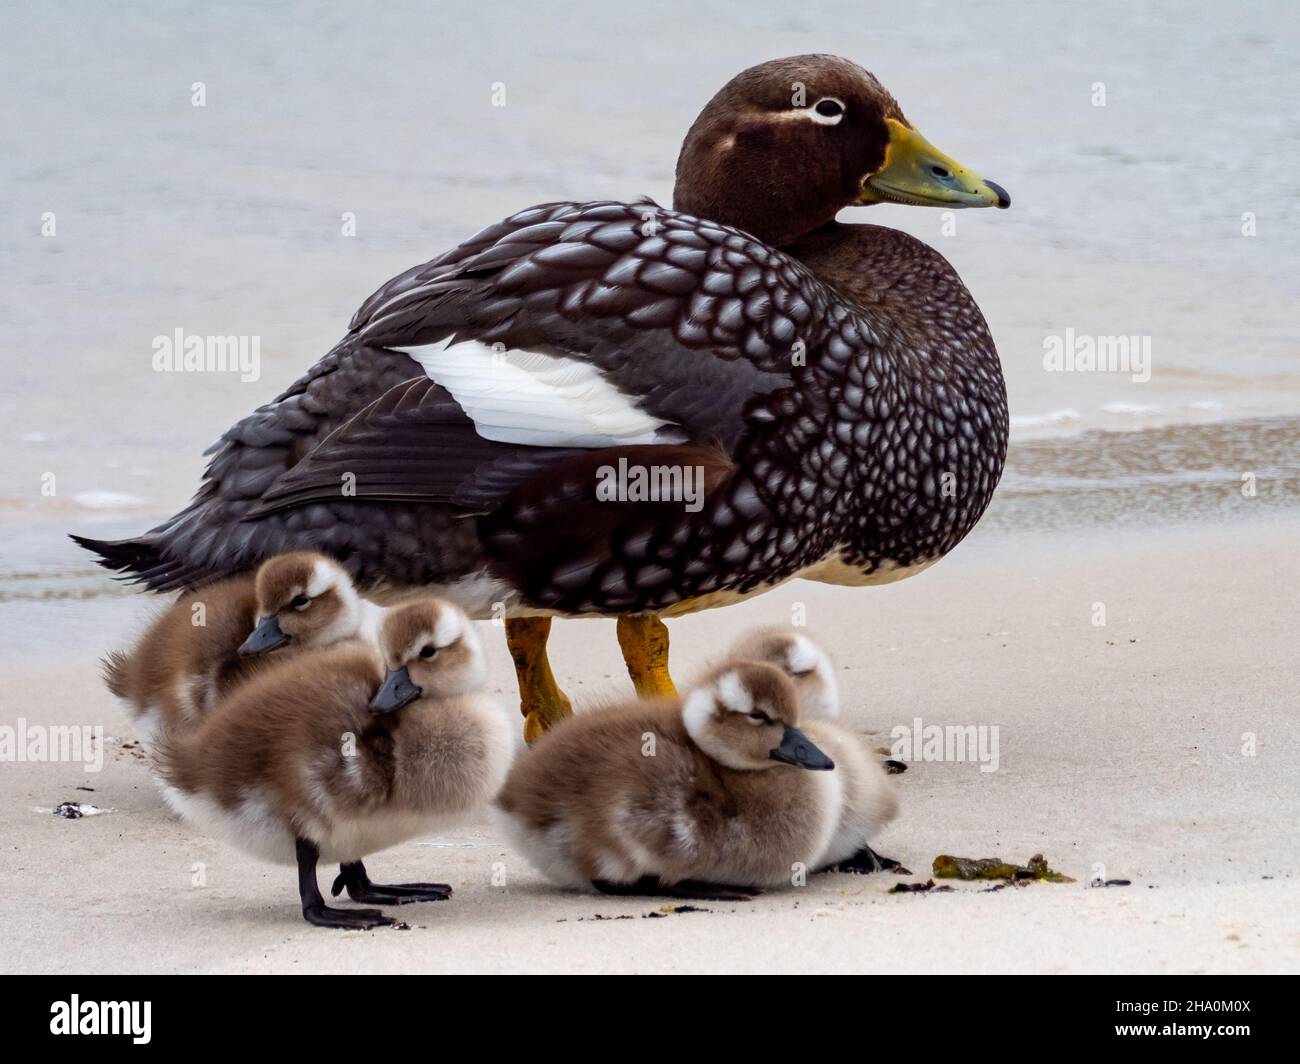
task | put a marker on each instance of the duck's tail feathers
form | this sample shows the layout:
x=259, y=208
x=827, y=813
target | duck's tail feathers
x=113, y=667
x=121, y=555
x=142, y=561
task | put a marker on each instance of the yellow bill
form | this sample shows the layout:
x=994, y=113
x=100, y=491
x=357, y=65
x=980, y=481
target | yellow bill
x=917, y=173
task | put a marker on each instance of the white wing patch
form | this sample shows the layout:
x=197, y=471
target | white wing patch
x=537, y=399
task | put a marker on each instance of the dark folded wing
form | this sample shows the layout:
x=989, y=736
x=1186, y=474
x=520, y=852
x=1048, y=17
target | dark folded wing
x=685, y=319
x=568, y=326
x=414, y=443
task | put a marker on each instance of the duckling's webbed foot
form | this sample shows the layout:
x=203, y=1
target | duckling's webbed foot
x=864, y=862
x=699, y=890
x=353, y=876
x=692, y=889
x=314, y=909
x=348, y=919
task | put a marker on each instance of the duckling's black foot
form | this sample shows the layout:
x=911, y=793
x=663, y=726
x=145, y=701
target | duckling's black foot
x=866, y=861
x=354, y=877
x=353, y=919
x=314, y=909
x=695, y=890
x=646, y=886
x=701, y=891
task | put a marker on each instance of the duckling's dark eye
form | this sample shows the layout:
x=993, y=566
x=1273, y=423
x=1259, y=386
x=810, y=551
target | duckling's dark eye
x=300, y=602
x=828, y=111
x=758, y=718
x=427, y=651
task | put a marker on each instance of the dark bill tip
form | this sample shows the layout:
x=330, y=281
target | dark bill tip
x=797, y=749
x=1004, y=198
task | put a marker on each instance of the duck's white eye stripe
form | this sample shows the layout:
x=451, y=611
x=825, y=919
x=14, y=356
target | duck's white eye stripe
x=827, y=111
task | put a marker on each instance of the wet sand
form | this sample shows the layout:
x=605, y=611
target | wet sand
x=1120, y=753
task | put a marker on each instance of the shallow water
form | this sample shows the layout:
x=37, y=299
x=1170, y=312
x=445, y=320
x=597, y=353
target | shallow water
x=226, y=219
x=1227, y=471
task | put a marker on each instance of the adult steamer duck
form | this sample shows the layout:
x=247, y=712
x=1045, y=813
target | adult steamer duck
x=838, y=404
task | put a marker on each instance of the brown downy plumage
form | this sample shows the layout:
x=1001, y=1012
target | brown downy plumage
x=331, y=757
x=799, y=658
x=705, y=797
x=870, y=800
x=209, y=641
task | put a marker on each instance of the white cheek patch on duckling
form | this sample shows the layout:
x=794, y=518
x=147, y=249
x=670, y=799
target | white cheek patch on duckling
x=732, y=694
x=323, y=575
x=541, y=400
x=352, y=618
x=449, y=628
x=802, y=657
x=815, y=678
x=697, y=711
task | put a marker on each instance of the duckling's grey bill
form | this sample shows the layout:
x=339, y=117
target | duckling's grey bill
x=396, y=691
x=266, y=636
x=797, y=749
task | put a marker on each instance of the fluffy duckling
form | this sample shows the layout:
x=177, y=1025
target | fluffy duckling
x=710, y=796
x=209, y=641
x=870, y=801
x=799, y=658
x=330, y=757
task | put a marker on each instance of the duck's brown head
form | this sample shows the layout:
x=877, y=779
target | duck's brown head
x=745, y=715
x=430, y=650
x=303, y=598
x=786, y=144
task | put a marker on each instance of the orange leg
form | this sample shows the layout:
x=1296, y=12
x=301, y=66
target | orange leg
x=643, y=638
x=541, y=701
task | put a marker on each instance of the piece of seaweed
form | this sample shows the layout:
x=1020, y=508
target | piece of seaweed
x=917, y=888
x=970, y=868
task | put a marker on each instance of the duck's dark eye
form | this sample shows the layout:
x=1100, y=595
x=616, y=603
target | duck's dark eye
x=300, y=602
x=427, y=651
x=758, y=718
x=829, y=108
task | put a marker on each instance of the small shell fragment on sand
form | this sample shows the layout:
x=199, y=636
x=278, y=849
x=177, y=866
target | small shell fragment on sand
x=72, y=810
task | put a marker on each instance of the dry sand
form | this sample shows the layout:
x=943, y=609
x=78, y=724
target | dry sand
x=1120, y=745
